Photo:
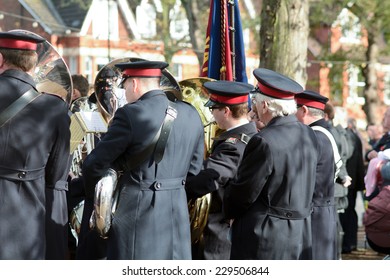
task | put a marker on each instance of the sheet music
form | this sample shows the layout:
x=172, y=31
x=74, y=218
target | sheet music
x=94, y=121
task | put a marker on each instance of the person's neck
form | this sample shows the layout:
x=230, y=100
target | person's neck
x=237, y=122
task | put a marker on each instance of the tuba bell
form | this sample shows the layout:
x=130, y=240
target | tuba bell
x=52, y=74
x=193, y=92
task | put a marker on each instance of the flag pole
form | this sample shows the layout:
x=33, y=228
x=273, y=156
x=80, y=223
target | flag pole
x=232, y=31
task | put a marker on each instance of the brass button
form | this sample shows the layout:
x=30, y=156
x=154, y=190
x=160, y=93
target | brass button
x=288, y=214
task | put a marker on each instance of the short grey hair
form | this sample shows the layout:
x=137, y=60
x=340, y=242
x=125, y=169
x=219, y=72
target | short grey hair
x=278, y=107
x=316, y=112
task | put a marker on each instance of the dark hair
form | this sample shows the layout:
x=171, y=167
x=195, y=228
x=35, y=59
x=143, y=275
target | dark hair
x=81, y=84
x=239, y=110
x=329, y=109
x=25, y=60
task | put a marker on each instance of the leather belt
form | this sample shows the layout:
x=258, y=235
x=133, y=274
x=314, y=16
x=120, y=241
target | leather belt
x=288, y=213
x=161, y=184
x=323, y=202
x=21, y=175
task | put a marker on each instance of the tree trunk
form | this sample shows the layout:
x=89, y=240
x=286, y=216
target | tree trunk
x=267, y=32
x=284, y=33
x=196, y=11
x=372, y=101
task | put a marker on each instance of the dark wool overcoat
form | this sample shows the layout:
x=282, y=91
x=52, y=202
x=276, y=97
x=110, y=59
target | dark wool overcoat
x=151, y=221
x=219, y=168
x=34, y=156
x=324, y=216
x=270, y=201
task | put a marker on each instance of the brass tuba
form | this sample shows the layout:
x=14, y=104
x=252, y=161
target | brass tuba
x=192, y=91
x=109, y=97
x=51, y=73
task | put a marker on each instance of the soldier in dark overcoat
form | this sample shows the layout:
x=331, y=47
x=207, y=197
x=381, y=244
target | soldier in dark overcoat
x=34, y=154
x=324, y=216
x=229, y=105
x=151, y=220
x=270, y=201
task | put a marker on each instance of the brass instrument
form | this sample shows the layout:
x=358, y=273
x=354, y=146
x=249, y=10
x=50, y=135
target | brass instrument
x=109, y=97
x=192, y=91
x=106, y=195
x=51, y=73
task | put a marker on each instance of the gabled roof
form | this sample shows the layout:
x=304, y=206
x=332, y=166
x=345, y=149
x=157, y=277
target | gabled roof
x=47, y=17
x=72, y=13
x=60, y=16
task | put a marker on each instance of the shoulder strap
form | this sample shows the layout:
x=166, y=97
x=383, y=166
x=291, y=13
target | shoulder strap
x=159, y=141
x=337, y=158
x=15, y=107
x=244, y=138
x=170, y=116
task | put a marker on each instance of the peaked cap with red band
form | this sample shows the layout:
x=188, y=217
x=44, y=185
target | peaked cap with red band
x=146, y=69
x=311, y=99
x=276, y=85
x=20, y=40
x=227, y=92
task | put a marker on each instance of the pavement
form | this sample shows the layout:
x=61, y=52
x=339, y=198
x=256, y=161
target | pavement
x=363, y=251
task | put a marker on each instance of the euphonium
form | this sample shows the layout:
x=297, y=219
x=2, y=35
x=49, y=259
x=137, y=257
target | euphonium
x=105, y=201
x=194, y=93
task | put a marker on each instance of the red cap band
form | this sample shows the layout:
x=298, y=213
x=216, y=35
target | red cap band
x=229, y=100
x=310, y=103
x=275, y=93
x=142, y=72
x=17, y=44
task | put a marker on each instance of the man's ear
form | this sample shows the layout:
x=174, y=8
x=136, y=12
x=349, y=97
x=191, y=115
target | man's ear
x=135, y=84
x=264, y=106
x=226, y=110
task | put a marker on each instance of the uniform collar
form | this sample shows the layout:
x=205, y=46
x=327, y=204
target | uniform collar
x=19, y=75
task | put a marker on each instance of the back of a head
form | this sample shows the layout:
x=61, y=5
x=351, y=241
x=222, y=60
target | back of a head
x=231, y=94
x=278, y=91
x=81, y=84
x=18, y=49
x=329, y=111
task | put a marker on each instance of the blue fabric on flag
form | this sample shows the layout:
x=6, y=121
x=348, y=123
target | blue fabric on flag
x=239, y=45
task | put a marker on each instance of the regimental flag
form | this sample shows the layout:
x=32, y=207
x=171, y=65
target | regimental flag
x=218, y=60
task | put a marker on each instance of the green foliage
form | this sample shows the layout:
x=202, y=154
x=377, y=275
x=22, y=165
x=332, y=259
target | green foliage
x=82, y=4
x=325, y=12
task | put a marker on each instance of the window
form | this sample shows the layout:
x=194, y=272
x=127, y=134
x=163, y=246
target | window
x=179, y=27
x=88, y=69
x=350, y=27
x=105, y=25
x=146, y=20
x=73, y=65
x=355, y=86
